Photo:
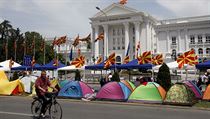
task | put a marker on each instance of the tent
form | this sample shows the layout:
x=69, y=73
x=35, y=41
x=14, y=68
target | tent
x=206, y=94
x=71, y=67
x=134, y=65
x=11, y=88
x=150, y=92
x=174, y=65
x=5, y=65
x=194, y=88
x=28, y=82
x=3, y=77
x=75, y=89
x=62, y=83
x=114, y=91
x=50, y=66
x=204, y=65
x=180, y=94
x=25, y=68
x=129, y=84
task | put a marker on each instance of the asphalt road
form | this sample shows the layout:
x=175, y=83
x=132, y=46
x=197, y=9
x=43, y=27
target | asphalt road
x=19, y=108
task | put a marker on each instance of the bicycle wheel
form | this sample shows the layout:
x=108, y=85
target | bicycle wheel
x=36, y=106
x=55, y=111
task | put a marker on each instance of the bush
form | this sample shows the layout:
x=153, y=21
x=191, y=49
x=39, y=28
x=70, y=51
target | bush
x=164, y=77
x=77, y=75
x=116, y=77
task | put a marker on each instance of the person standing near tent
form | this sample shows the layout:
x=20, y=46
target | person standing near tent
x=41, y=85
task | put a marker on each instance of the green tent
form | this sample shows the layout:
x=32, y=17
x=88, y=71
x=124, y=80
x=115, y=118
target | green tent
x=180, y=94
x=150, y=92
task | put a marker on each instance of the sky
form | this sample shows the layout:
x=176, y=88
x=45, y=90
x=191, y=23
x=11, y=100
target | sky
x=71, y=17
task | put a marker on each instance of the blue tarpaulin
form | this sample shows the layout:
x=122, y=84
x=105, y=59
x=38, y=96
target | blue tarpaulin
x=51, y=66
x=204, y=65
x=134, y=65
x=23, y=67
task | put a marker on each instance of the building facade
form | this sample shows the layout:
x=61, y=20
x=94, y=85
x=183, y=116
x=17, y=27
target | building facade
x=123, y=26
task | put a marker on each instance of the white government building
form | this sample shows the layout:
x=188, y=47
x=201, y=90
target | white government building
x=123, y=25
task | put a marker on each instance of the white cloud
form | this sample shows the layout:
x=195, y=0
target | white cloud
x=187, y=7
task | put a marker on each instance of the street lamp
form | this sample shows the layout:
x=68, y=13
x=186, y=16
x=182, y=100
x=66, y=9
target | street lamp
x=98, y=8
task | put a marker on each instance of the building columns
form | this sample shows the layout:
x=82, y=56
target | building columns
x=137, y=35
x=179, y=41
x=96, y=33
x=168, y=42
x=106, y=47
x=126, y=25
x=186, y=40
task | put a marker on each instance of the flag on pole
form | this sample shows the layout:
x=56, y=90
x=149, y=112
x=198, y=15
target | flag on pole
x=76, y=41
x=78, y=62
x=157, y=60
x=100, y=37
x=127, y=58
x=146, y=57
x=110, y=61
x=123, y=2
x=99, y=60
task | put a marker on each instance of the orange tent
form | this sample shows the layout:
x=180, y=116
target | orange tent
x=206, y=95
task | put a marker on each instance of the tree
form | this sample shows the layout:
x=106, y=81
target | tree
x=164, y=77
x=115, y=76
x=77, y=75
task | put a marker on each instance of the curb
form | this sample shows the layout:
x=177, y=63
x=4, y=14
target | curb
x=121, y=103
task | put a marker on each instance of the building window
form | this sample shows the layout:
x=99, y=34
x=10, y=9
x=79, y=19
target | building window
x=114, y=32
x=118, y=31
x=114, y=48
x=123, y=47
x=123, y=32
x=118, y=41
x=173, y=40
x=118, y=47
x=114, y=40
x=134, y=48
x=200, y=39
x=208, y=51
x=133, y=30
x=192, y=39
x=123, y=41
x=200, y=51
x=207, y=38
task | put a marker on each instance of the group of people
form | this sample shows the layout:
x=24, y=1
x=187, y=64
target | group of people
x=105, y=79
x=203, y=80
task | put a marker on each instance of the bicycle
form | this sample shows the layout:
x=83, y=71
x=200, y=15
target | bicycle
x=54, y=108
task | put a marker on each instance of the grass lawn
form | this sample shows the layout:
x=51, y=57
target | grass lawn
x=203, y=104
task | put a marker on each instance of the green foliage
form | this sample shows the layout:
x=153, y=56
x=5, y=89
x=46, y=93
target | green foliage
x=77, y=75
x=9, y=35
x=115, y=76
x=164, y=77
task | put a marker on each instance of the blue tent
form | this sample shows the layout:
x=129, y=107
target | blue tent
x=99, y=66
x=50, y=66
x=75, y=89
x=23, y=67
x=134, y=65
x=204, y=65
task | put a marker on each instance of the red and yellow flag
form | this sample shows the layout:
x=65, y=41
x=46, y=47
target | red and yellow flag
x=11, y=63
x=76, y=41
x=86, y=39
x=146, y=57
x=123, y=2
x=110, y=61
x=55, y=62
x=188, y=57
x=33, y=62
x=157, y=60
x=100, y=37
x=126, y=60
x=99, y=60
x=78, y=62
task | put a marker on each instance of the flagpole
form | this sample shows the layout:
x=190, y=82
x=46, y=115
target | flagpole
x=15, y=46
x=34, y=47
x=44, y=51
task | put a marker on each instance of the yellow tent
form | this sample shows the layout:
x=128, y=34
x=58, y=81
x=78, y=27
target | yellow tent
x=3, y=77
x=11, y=88
x=53, y=82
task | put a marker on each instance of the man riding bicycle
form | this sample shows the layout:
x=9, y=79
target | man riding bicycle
x=41, y=86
